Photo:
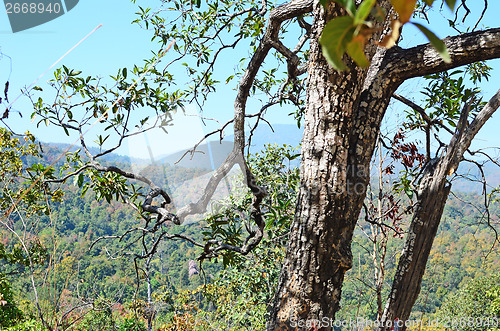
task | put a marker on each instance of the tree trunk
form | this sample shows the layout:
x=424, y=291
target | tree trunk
x=432, y=197
x=342, y=120
x=339, y=138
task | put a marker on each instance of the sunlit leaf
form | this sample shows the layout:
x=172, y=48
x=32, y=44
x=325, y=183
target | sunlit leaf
x=391, y=38
x=409, y=192
x=404, y=8
x=363, y=11
x=334, y=39
x=437, y=43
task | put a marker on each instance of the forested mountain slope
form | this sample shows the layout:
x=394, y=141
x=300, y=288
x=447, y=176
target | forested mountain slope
x=76, y=266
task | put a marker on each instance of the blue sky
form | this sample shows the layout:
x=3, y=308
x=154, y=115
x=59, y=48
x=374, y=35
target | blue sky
x=121, y=44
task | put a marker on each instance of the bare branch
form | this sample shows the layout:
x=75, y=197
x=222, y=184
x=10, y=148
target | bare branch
x=482, y=15
x=276, y=17
x=201, y=205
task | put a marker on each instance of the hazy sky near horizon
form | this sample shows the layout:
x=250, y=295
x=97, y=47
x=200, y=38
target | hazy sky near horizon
x=118, y=43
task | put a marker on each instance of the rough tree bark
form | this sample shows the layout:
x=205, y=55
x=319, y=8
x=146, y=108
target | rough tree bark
x=343, y=115
x=334, y=174
x=431, y=198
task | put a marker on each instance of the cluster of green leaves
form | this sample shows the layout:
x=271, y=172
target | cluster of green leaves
x=80, y=102
x=106, y=185
x=10, y=314
x=494, y=295
x=447, y=93
x=13, y=149
x=17, y=176
x=350, y=33
x=18, y=257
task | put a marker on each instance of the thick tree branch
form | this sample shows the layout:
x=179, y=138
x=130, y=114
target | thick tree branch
x=479, y=121
x=425, y=60
x=201, y=205
x=291, y=58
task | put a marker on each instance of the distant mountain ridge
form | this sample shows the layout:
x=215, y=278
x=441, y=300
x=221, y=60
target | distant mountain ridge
x=207, y=156
x=211, y=154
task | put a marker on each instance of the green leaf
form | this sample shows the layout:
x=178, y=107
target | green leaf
x=409, y=192
x=78, y=180
x=356, y=50
x=437, y=43
x=124, y=73
x=451, y=4
x=363, y=11
x=334, y=39
x=429, y=2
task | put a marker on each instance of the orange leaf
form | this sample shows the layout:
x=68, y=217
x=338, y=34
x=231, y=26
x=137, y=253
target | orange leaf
x=451, y=171
x=404, y=8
